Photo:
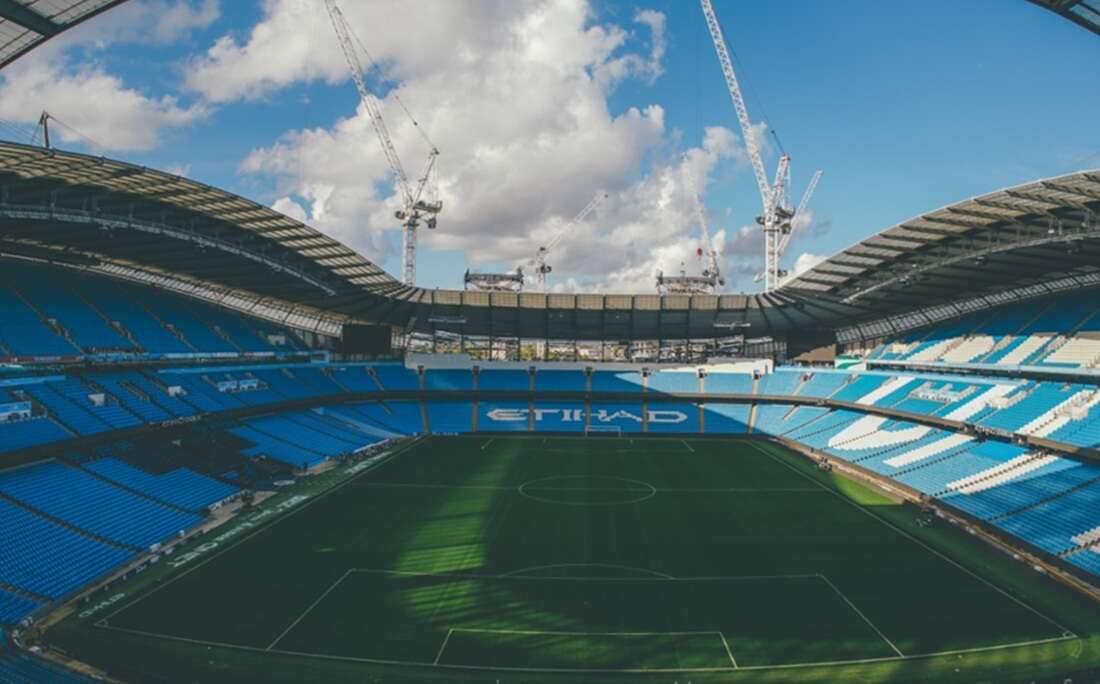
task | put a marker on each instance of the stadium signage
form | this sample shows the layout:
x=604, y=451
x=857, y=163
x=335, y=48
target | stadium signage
x=253, y=522
x=572, y=415
x=105, y=603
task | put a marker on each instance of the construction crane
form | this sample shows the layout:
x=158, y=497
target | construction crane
x=514, y=280
x=790, y=226
x=542, y=269
x=711, y=279
x=414, y=209
x=777, y=212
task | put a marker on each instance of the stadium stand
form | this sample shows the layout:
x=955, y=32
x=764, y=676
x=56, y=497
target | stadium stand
x=181, y=488
x=24, y=668
x=672, y=418
x=673, y=381
x=302, y=438
x=559, y=416
x=511, y=380
x=1054, y=331
x=52, y=312
x=49, y=559
x=560, y=381
x=728, y=383
x=626, y=417
x=86, y=511
x=396, y=377
x=450, y=417
x=91, y=504
x=448, y=379
x=726, y=418
x=617, y=381
x=23, y=332
x=505, y=416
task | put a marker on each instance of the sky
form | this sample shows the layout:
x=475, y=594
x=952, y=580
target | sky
x=537, y=106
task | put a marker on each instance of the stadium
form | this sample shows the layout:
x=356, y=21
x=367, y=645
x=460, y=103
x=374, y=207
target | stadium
x=232, y=448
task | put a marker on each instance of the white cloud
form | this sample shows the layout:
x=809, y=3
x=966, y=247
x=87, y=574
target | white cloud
x=183, y=170
x=92, y=102
x=295, y=42
x=805, y=262
x=176, y=19
x=102, y=111
x=291, y=208
x=148, y=21
x=633, y=64
x=515, y=95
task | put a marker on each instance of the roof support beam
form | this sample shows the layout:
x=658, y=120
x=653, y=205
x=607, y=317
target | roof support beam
x=19, y=14
x=1080, y=192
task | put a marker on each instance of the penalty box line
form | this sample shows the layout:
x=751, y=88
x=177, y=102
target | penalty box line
x=1066, y=632
x=859, y=612
x=269, y=525
x=511, y=575
x=310, y=608
x=539, y=632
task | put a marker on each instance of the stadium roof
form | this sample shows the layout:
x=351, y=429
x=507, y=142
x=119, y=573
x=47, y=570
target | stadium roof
x=92, y=212
x=1083, y=12
x=1011, y=238
x=26, y=24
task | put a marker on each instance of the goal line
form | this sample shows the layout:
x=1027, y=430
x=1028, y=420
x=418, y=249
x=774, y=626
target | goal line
x=461, y=645
x=603, y=431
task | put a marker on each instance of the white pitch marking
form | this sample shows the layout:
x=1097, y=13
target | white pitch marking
x=265, y=527
x=728, y=651
x=860, y=613
x=684, y=442
x=512, y=576
x=442, y=646
x=380, y=661
x=655, y=573
x=569, y=633
x=487, y=443
x=311, y=607
x=920, y=543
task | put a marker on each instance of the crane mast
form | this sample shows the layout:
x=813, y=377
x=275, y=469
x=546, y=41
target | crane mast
x=414, y=209
x=738, y=102
x=777, y=215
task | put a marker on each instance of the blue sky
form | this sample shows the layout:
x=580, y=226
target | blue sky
x=905, y=106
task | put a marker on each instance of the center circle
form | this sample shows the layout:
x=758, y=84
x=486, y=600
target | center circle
x=587, y=490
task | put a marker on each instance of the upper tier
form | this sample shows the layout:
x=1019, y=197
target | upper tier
x=1049, y=333
x=48, y=312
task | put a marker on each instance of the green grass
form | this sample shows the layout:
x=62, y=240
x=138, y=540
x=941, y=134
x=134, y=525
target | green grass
x=626, y=559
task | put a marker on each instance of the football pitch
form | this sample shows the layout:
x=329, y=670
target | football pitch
x=585, y=559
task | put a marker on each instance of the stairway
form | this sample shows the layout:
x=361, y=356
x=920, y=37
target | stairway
x=115, y=325
x=166, y=325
